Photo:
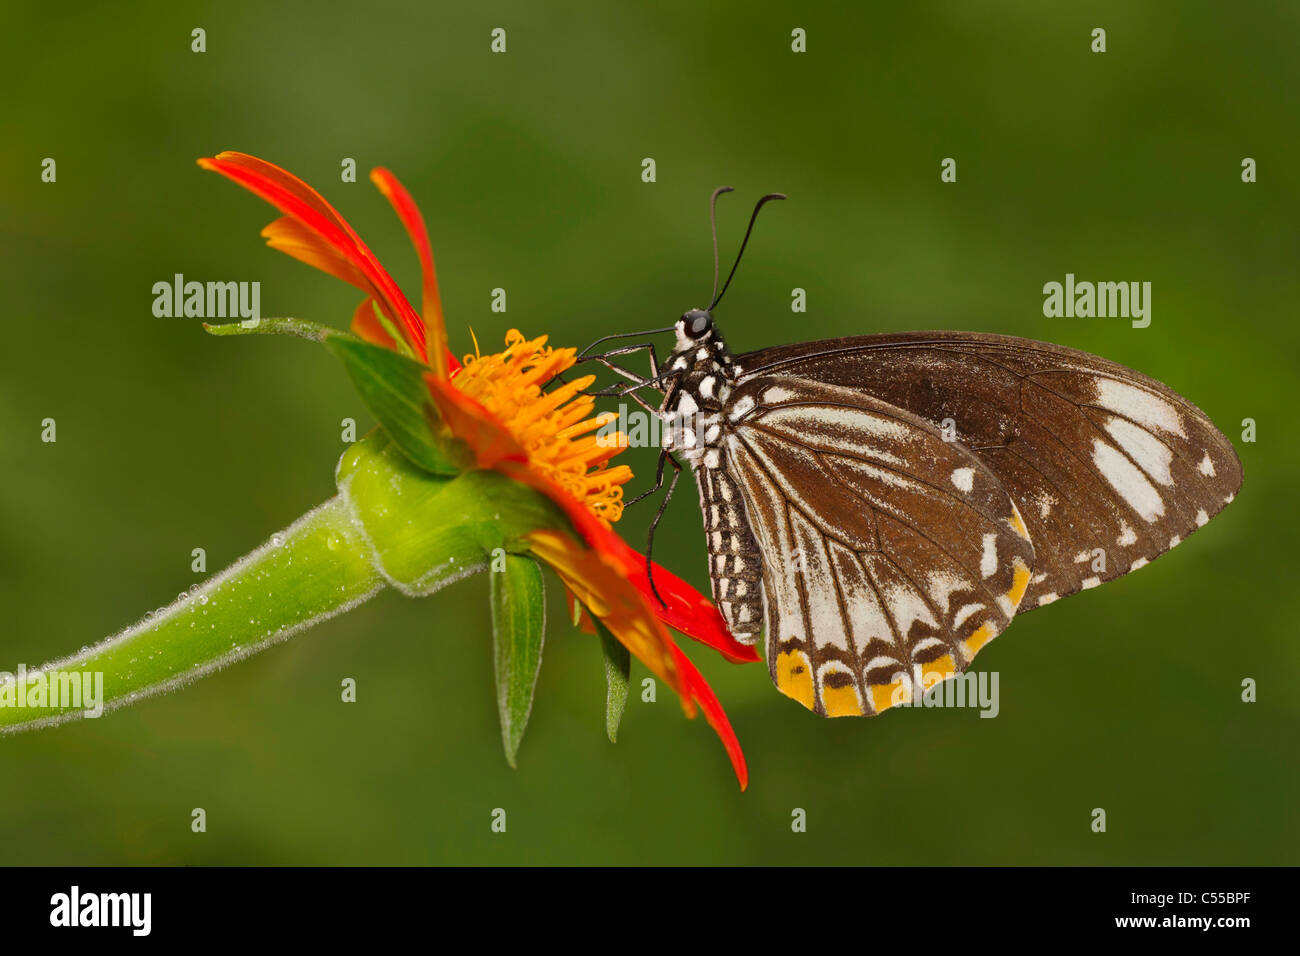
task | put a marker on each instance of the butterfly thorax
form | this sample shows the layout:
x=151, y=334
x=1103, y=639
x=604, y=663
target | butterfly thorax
x=701, y=375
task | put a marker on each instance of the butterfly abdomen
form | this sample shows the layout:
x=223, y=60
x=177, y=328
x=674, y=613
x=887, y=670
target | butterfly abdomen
x=735, y=563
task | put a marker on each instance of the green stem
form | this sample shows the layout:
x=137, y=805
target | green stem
x=392, y=524
x=314, y=569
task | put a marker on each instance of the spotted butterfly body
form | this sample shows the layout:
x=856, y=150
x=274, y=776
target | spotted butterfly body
x=883, y=506
x=694, y=410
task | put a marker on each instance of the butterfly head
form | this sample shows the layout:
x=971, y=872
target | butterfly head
x=699, y=343
x=694, y=328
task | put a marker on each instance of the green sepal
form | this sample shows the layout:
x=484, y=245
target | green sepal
x=300, y=328
x=391, y=386
x=518, y=631
x=618, y=670
x=427, y=530
x=387, y=324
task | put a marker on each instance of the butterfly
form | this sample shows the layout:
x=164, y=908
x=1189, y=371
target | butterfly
x=882, y=506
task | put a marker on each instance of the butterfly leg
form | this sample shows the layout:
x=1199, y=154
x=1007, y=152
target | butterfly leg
x=584, y=355
x=657, y=379
x=617, y=390
x=604, y=359
x=664, y=457
x=666, y=378
x=620, y=335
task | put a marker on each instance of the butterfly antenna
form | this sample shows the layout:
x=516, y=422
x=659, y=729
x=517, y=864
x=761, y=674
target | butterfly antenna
x=713, y=226
x=753, y=216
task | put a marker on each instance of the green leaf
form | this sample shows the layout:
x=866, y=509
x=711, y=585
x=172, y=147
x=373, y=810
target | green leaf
x=518, y=627
x=618, y=669
x=391, y=386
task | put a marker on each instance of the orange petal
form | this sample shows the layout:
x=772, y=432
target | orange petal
x=291, y=237
x=366, y=325
x=703, y=695
x=599, y=585
x=333, y=237
x=435, y=329
x=684, y=609
x=491, y=442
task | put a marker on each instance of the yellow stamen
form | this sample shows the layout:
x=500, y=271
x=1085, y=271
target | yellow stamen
x=552, y=427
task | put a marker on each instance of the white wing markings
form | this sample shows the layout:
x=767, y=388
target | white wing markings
x=1128, y=481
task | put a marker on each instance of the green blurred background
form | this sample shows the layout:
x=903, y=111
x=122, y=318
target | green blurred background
x=1118, y=166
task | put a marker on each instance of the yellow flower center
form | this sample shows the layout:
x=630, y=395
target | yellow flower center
x=554, y=428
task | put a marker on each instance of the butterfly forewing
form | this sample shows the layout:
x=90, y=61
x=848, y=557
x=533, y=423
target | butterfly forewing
x=1109, y=468
x=889, y=556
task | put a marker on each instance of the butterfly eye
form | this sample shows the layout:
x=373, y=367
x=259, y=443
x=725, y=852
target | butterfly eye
x=697, y=322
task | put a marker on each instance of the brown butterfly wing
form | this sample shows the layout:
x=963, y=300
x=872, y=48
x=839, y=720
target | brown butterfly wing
x=889, y=556
x=1109, y=468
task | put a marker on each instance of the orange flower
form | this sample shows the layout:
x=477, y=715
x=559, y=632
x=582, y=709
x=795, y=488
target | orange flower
x=497, y=406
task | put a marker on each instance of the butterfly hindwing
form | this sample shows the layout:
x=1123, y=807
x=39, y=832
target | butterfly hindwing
x=889, y=556
x=1110, y=468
